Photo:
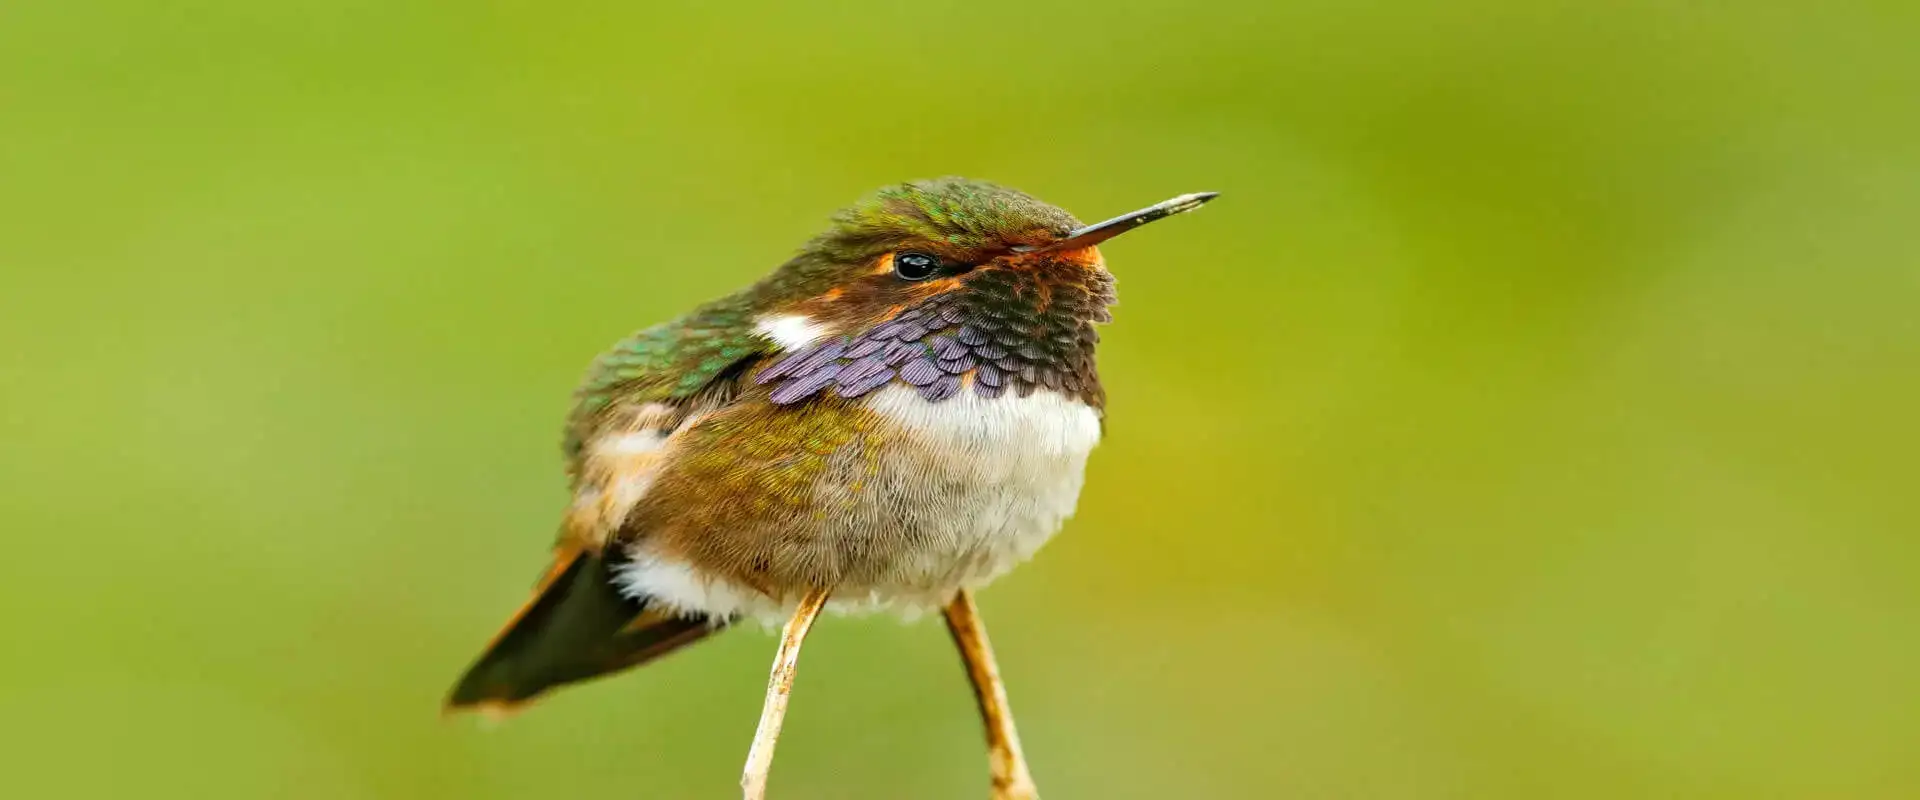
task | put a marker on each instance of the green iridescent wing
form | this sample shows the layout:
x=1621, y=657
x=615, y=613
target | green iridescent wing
x=667, y=363
x=579, y=624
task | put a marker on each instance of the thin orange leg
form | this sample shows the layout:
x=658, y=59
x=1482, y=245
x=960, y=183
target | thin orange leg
x=1011, y=780
x=753, y=780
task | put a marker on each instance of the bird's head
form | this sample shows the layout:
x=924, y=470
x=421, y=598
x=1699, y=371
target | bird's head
x=972, y=247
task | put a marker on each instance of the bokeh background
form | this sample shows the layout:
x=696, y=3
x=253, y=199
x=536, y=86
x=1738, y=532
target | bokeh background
x=1532, y=417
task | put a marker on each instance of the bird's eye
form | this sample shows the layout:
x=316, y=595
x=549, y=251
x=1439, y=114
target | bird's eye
x=912, y=266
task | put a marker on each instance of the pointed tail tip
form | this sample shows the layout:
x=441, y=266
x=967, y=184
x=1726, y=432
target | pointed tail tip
x=491, y=711
x=477, y=695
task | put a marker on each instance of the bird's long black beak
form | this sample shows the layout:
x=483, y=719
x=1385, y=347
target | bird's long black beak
x=1102, y=231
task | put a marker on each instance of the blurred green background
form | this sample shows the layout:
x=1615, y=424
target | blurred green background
x=1534, y=416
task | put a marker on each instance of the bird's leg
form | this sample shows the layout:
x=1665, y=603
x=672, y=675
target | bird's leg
x=1011, y=780
x=753, y=781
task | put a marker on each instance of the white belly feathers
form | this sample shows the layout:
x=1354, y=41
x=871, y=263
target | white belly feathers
x=974, y=486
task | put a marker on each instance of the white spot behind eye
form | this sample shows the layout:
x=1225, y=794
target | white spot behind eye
x=790, y=331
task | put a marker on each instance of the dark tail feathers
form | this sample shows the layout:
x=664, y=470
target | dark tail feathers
x=577, y=626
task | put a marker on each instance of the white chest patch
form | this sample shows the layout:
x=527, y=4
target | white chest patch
x=1029, y=438
x=966, y=489
x=1012, y=468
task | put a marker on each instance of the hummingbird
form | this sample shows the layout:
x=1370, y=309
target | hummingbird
x=894, y=417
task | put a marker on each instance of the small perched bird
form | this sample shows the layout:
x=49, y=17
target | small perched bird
x=896, y=416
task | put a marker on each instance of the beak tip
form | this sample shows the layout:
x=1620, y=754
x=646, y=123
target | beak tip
x=1193, y=200
x=1101, y=231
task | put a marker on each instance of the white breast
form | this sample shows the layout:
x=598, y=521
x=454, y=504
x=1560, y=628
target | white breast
x=1010, y=469
x=1032, y=436
x=965, y=489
